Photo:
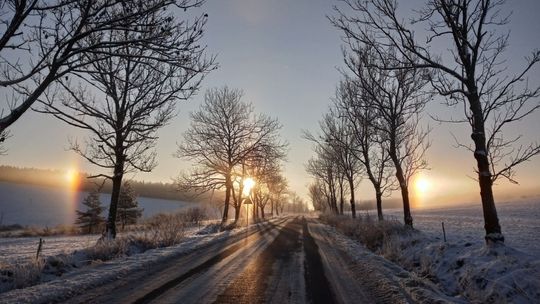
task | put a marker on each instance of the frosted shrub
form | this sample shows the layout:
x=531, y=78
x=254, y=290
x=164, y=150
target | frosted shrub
x=369, y=232
x=27, y=273
x=195, y=215
x=391, y=248
x=107, y=249
x=168, y=229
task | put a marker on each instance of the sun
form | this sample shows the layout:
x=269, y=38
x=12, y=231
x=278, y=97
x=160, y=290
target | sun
x=422, y=185
x=248, y=185
x=72, y=177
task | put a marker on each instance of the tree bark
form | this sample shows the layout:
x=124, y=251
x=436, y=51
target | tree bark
x=491, y=219
x=255, y=211
x=341, y=198
x=405, y=196
x=18, y=111
x=351, y=187
x=237, y=209
x=378, y=198
x=225, y=216
x=110, y=231
x=400, y=176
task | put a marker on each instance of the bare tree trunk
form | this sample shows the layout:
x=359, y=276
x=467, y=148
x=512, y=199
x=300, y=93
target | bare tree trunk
x=491, y=220
x=341, y=198
x=400, y=176
x=378, y=198
x=272, y=208
x=255, y=211
x=404, y=193
x=237, y=209
x=262, y=212
x=333, y=197
x=334, y=202
x=406, y=205
x=329, y=202
x=110, y=231
x=351, y=187
x=227, y=200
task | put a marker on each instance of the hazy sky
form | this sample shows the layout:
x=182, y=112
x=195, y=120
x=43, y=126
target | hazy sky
x=284, y=54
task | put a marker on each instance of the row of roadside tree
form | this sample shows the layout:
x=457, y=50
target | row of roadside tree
x=374, y=127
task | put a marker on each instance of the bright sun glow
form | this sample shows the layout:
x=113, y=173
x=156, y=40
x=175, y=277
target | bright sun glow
x=248, y=184
x=422, y=185
x=72, y=177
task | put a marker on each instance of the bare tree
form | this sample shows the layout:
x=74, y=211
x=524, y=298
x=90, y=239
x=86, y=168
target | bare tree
x=278, y=187
x=296, y=204
x=270, y=184
x=471, y=74
x=351, y=103
x=132, y=95
x=262, y=165
x=397, y=98
x=225, y=134
x=45, y=40
x=316, y=192
x=322, y=167
x=340, y=141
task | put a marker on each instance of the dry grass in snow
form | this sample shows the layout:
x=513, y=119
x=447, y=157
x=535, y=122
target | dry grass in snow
x=473, y=272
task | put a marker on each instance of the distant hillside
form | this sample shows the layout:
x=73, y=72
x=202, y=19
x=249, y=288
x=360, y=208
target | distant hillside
x=58, y=179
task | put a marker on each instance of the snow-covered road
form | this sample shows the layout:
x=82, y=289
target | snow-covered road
x=287, y=260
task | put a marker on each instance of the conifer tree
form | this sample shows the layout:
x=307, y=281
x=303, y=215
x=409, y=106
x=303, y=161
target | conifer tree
x=91, y=220
x=128, y=208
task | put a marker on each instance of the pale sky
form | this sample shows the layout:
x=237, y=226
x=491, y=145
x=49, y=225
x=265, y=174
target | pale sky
x=284, y=55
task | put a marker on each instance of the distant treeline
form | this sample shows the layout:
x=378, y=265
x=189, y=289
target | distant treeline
x=58, y=179
x=372, y=205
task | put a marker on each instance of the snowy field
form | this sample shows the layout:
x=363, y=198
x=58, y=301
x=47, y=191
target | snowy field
x=520, y=223
x=23, y=248
x=31, y=205
x=96, y=274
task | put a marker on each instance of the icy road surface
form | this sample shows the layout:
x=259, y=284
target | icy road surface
x=290, y=260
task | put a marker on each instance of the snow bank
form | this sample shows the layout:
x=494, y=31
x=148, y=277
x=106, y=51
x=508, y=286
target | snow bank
x=462, y=269
x=97, y=273
x=385, y=279
x=477, y=272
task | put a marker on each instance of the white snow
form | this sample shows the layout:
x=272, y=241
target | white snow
x=19, y=249
x=464, y=267
x=390, y=279
x=98, y=273
x=520, y=223
x=475, y=271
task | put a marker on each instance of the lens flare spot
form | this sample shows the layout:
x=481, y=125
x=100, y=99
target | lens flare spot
x=422, y=185
x=248, y=185
x=72, y=178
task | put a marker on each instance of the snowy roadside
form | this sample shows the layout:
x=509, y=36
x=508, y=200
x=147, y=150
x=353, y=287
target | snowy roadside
x=477, y=272
x=386, y=281
x=21, y=249
x=99, y=273
x=464, y=271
